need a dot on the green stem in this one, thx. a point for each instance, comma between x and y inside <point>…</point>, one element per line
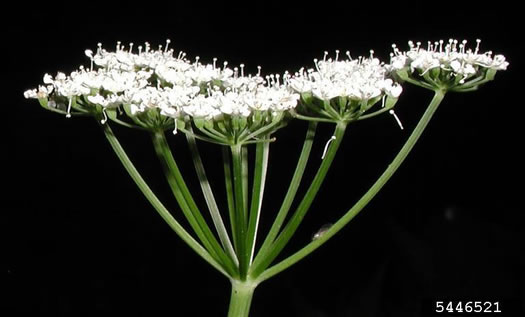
<point>244,164</point>
<point>209,197</point>
<point>376,187</point>
<point>257,141</point>
<point>305,204</point>
<point>264,130</point>
<point>240,211</point>
<point>419,83</point>
<point>259,181</point>
<point>375,113</point>
<point>314,119</point>
<point>229,193</point>
<point>241,298</point>
<point>187,204</point>
<point>473,83</point>
<point>127,125</point>
<point>202,138</point>
<point>292,190</point>
<point>155,202</point>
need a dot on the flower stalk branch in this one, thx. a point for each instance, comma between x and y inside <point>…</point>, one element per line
<point>259,181</point>
<point>188,205</point>
<point>262,261</point>
<point>210,198</point>
<point>366,198</point>
<point>155,202</point>
<point>292,189</point>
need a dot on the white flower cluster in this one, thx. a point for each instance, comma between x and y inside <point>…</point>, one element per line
<point>453,57</point>
<point>242,102</point>
<point>357,79</point>
<point>155,79</point>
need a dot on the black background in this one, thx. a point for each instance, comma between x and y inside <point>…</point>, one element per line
<point>78,239</point>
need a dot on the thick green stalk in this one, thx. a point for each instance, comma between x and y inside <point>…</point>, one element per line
<point>209,197</point>
<point>304,205</point>
<point>187,204</point>
<point>292,190</point>
<point>241,298</point>
<point>240,210</point>
<point>259,181</point>
<point>376,187</point>
<point>155,202</point>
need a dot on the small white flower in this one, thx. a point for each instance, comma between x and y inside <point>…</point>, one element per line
<point>89,53</point>
<point>395,91</point>
<point>97,99</point>
<point>30,93</point>
<point>173,76</point>
<point>48,79</point>
<point>110,101</point>
<point>228,103</point>
<point>202,107</point>
<point>326,89</point>
<point>136,108</point>
<point>398,62</point>
<point>60,76</point>
<point>301,84</point>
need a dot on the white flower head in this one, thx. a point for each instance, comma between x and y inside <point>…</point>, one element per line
<point>446,64</point>
<point>343,89</point>
<point>357,79</point>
